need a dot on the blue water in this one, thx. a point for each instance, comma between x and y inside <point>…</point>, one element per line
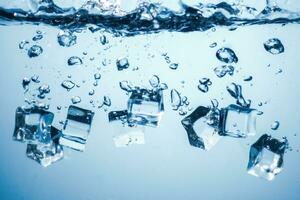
<point>180,48</point>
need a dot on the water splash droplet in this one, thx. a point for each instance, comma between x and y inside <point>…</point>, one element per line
<point>154,81</point>
<point>248,78</point>
<point>76,99</point>
<point>66,38</point>
<point>35,79</point>
<point>173,66</point>
<point>34,51</point>
<point>103,39</point>
<point>221,71</point>
<point>67,84</point>
<point>122,64</point>
<point>106,101</point>
<point>43,90</point>
<point>97,76</point>
<point>74,60</point>
<point>126,85</point>
<point>227,55</point>
<point>175,99</point>
<point>23,43</point>
<point>236,92</point>
<point>275,125</point>
<point>213,45</point>
<point>25,82</point>
<point>204,84</point>
<point>274,46</point>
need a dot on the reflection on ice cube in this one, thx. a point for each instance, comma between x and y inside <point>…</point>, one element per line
<point>125,134</point>
<point>145,107</point>
<point>202,127</point>
<point>237,121</point>
<point>48,153</point>
<point>77,128</point>
<point>33,124</point>
<point>129,136</point>
<point>266,157</point>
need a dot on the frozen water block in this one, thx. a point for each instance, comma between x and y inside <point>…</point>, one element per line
<point>237,121</point>
<point>46,154</point>
<point>32,124</point>
<point>266,157</point>
<point>76,128</point>
<point>145,107</point>
<point>202,127</point>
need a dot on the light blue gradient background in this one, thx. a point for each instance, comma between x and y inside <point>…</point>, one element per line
<point>166,167</point>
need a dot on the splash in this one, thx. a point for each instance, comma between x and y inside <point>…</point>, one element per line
<point>147,17</point>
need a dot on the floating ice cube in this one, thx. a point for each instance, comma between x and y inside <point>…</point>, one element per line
<point>145,107</point>
<point>266,157</point>
<point>237,121</point>
<point>202,127</point>
<point>46,154</point>
<point>33,124</point>
<point>77,128</point>
<point>125,134</point>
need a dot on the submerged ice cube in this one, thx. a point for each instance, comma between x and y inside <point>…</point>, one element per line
<point>46,154</point>
<point>266,157</point>
<point>76,128</point>
<point>237,121</point>
<point>145,107</point>
<point>33,124</point>
<point>125,134</point>
<point>202,127</point>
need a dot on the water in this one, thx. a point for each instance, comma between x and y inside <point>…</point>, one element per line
<point>238,52</point>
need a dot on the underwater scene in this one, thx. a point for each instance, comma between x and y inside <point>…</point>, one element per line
<point>149,99</point>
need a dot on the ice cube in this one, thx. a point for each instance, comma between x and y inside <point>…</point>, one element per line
<point>76,128</point>
<point>202,127</point>
<point>237,121</point>
<point>125,134</point>
<point>266,157</point>
<point>46,154</point>
<point>145,107</point>
<point>32,124</point>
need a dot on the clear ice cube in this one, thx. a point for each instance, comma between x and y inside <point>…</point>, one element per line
<point>237,121</point>
<point>202,127</point>
<point>125,134</point>
<point>76,128</point>
<point>145,107</point>
<point>46,154</point>
<point>266,157</point>
<point>33,124</point>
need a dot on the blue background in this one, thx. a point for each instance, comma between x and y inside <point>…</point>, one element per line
<point>166,167</point>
